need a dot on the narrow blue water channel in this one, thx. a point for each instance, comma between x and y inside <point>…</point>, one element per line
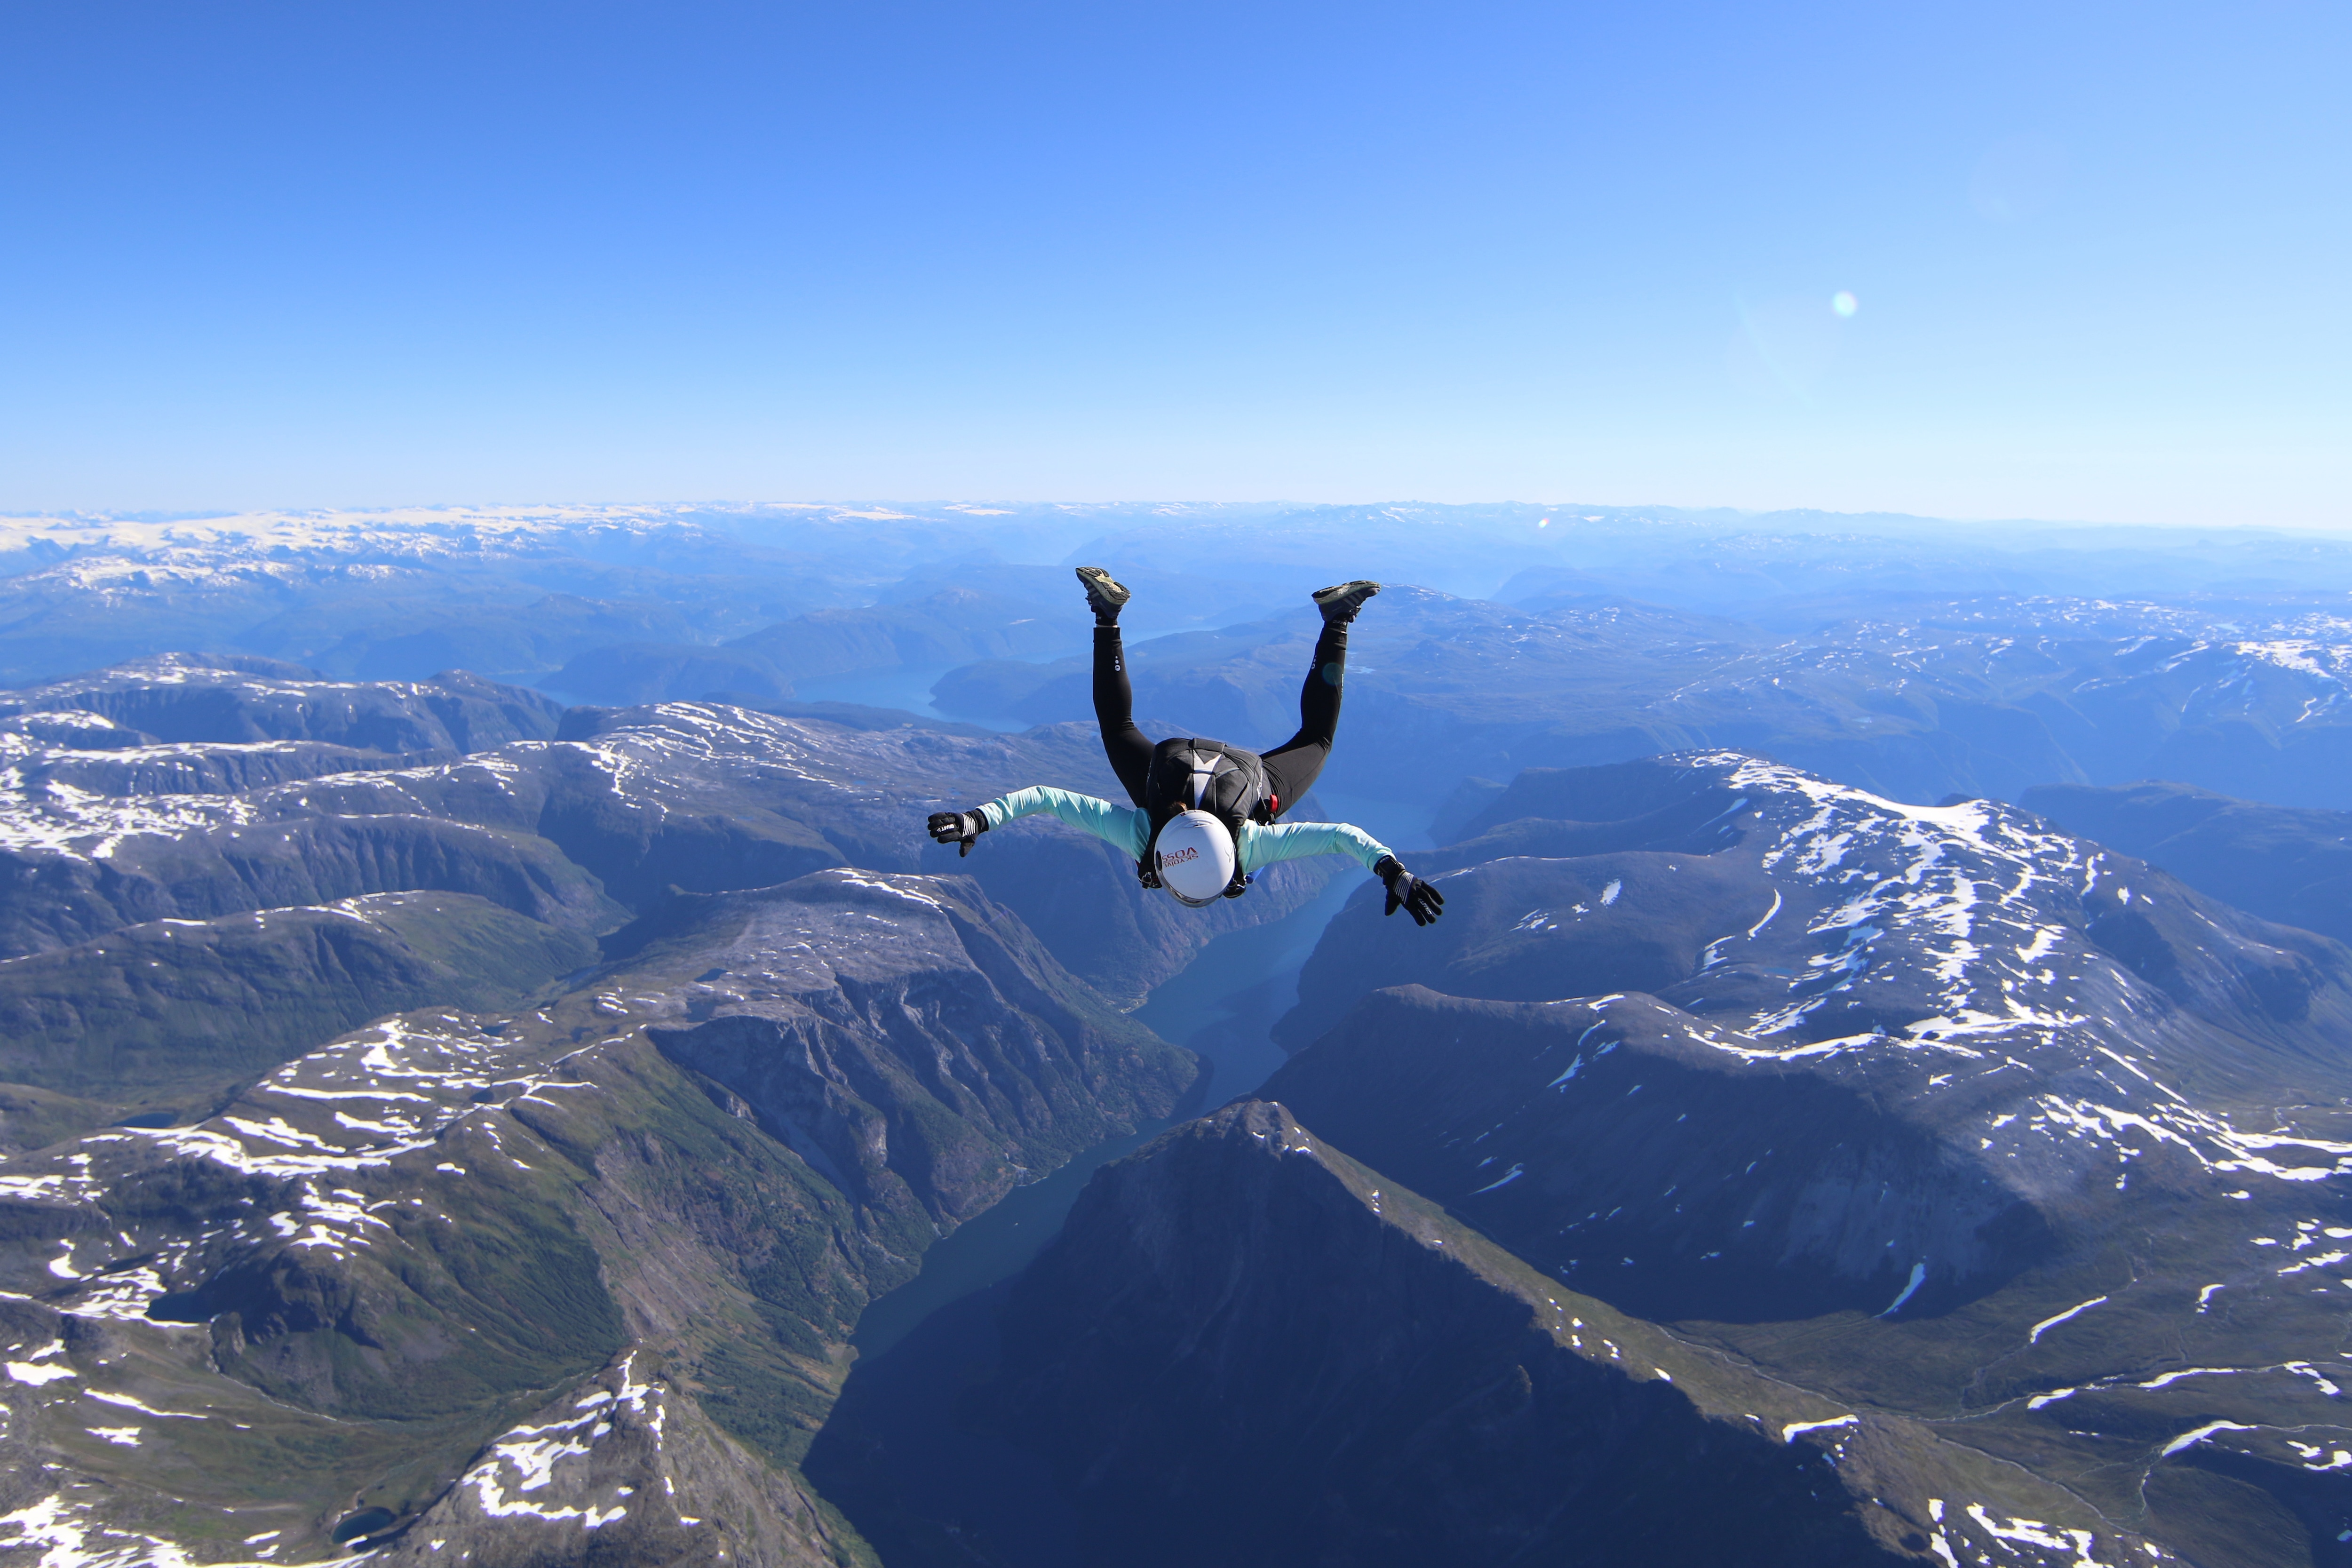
<point>1222,1006</point>
<point>907,688</point>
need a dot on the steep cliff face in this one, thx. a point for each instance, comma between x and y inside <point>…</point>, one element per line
<point>1246,1348</point>
<point>1684,1171</point>
<point>2284,863</point>
<point>917,1045</point>
<point>1934,1110</point>
<point>555,1285</point>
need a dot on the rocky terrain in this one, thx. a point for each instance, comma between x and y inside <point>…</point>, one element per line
<point>552,1102</point>
<point>593,1263</point>
<point>2287,863</point>
<point>1247,1347</point>
<point>2011,1150</point>
<point>1887,652</point>
<point>573,829</point>
<point>442,1123</point>
<point>1976,696</point>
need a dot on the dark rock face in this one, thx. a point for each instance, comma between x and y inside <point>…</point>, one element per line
<point>1929,1108</point>
<point>626,1470</point>
<point>1246,1348</point>
<point>1599,811</point>
<point>1684,1172</point>
<point>916,1047</point>
<point>2284,864</point>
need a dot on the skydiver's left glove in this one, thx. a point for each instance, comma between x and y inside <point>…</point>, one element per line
<point>1410,893</point>
<point>959,828</point>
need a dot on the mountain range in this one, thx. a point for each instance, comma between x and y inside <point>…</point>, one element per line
<point>1932,1185</point>
<point>1877,1093</point>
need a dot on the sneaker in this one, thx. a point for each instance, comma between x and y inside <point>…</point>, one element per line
<point>1341,603</point>
<point>1104,594</point>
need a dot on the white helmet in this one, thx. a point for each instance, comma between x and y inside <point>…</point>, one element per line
<point>1195,858</point>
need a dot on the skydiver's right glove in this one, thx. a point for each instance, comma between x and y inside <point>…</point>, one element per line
<point>1409,892</point>
<point>959,828</point>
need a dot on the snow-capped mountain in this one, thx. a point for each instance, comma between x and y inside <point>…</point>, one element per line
<point>1933,1111</point>
<point>663,1195</point>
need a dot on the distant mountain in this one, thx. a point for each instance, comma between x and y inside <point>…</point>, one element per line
<point>947,627</point>
<point>1789,570</point>
<point>635,672</point>
<point>226,699</point>
<point>515,593</point>
<point>404,634</point>
<point>2282,864</point>
<point>605,819</point>
<point>1979,698</point>
<point>1896,654</point>
<point>933,618</point>
<point>1441,688</point>
<point>2245,704</point>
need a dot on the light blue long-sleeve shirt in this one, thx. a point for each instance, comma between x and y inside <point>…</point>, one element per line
<point>1132,829</point>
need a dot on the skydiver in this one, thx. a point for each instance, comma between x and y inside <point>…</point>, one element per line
<point>1205,814</point>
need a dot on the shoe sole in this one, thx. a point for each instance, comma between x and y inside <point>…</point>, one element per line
<point>1100,585</point>
<point>1359,591</point>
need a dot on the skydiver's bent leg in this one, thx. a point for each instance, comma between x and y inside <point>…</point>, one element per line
<point>1130,752</point>
<point>1291,767</point>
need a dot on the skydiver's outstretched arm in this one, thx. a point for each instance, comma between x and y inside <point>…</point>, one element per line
<point>1130,830</point>
<point>1119,825</point>
<point>1297,840</point>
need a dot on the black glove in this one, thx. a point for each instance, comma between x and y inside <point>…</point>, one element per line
<point>1410,893</point>
<point>959,828</point>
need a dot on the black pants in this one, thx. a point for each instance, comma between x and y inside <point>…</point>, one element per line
<point>1290,768</point>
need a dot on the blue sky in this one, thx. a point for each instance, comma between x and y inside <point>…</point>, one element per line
<point>265,253</point>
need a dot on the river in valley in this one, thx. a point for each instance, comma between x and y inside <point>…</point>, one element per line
<point>1222,1006</point>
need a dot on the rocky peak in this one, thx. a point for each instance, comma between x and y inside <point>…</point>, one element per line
<point>2011,1120</point>
<point>1244,1347</point>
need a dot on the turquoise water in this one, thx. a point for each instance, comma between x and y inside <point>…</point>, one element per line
<point>1226,1000</point>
